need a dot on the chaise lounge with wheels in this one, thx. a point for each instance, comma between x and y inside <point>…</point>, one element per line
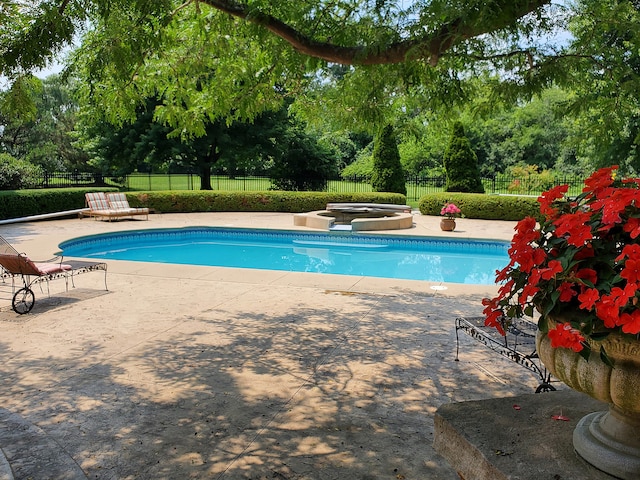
<point>111,205</point>
<point>17,265</point>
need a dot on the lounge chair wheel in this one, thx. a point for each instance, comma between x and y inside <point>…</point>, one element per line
<point>23,301</point>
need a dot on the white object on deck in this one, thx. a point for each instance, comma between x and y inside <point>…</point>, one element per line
<point>45,216</point>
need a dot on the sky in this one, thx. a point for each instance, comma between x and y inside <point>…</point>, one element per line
<point>52,69</point>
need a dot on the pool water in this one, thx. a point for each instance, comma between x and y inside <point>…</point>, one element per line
<point>342,253</point>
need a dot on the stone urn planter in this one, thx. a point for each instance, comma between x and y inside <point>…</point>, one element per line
<point>448,224</point>
<point>578,263</point>
<point>608,440</point>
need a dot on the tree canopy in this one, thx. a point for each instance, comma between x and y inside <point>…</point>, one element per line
<point>347,32</point>
<point>366,60</point>
<point>226,57</point>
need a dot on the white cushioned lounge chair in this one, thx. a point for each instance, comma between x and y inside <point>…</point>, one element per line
<point>111,205</point>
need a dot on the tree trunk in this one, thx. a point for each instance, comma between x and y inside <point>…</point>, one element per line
<point>205,177</point>
<point>205,166</point>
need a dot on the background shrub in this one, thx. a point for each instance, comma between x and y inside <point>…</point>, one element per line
<point>16,174</point>
<point>482,206</point>
<point>25,203</point>
<point>271,201</point>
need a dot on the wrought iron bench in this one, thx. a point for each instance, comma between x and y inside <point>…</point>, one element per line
<point>518,345</point>
<point>17,265</point>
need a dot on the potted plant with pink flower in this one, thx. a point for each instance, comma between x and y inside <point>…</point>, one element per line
<point>579,268</point>
<point>450,211</point>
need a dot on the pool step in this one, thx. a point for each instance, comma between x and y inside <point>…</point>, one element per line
<point>340,228</point>
<point>27,451</point>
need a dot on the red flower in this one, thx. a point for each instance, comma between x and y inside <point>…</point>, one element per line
<point>601,179</point>
<point>588,298</point>
<point>629,251</point>
<point>584,253</point>
<point>607,311</point>
<point>621,296</point>
<point>632,227</point>
<point>574,226</point>
<point>614,202</point>
<point>550,272</point>
<point>502,275</point>
<point>526,231</point>
<point>631,271</point>
<point>631,322</point>
<point>588,275</point>
<point>564,335</point>
<point>567,292</point>
<point>547,198</point>
<point>527,224</point>
<point>527,256</point>
<point>528,291</point>
<point>505,289</point>
<point>493,320</point>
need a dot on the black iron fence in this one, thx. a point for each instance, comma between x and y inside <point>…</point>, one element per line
<point>416,185</point>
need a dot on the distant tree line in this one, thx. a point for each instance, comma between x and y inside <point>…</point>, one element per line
<point>56,136</point>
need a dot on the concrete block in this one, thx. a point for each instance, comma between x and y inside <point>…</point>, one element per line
<point>515,438</point>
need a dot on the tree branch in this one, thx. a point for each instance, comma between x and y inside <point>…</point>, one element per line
<point>63,6</point>
<point>429,47</point>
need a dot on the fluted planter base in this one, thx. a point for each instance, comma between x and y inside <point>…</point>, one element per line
<point>610,443</point>
<point>607,440</point>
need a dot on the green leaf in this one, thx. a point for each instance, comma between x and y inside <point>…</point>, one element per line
<point>599,336</point>
<point>528,310</point>
<point>543,325</point>
<point>586,351</point>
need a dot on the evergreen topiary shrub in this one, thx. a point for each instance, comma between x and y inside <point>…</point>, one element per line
<point>387,174</point>
<point>461,164</point>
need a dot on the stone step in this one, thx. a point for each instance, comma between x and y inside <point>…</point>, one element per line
<point>516,437</point>
<point>5,468</point>
<point>28,452</point>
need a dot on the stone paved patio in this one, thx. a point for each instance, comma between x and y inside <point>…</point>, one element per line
<point>184,372</point>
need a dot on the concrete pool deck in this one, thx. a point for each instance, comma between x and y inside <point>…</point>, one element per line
<point>183,372</point>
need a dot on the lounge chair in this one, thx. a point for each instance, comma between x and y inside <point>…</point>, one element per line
<point>119,203</point>
<point>111,205</point>
<point>15,264</point>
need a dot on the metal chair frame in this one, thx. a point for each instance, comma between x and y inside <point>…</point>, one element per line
<point>15,264</point>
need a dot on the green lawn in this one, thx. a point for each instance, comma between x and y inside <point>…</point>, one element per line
<point>415,190</point>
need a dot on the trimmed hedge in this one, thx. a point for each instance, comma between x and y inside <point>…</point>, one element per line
<point>263,201</point>
<point>24,203</point>
<point>482,206</point>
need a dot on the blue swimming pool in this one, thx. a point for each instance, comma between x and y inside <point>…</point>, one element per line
<point>343,253</point>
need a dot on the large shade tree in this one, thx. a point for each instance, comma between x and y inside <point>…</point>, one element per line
<point>39,126</point>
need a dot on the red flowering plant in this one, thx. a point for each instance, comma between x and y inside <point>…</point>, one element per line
<point>580,263</point>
